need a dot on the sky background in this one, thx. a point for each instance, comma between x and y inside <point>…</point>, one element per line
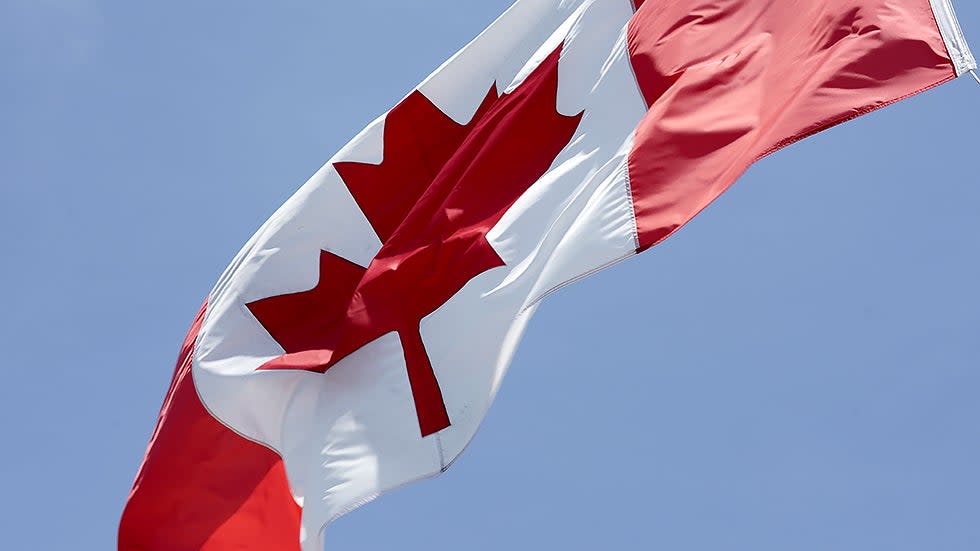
<point>797,369</point>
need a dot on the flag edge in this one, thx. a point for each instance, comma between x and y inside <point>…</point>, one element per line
<point>953,37</point>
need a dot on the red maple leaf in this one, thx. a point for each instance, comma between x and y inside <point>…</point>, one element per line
<point>440,188</point>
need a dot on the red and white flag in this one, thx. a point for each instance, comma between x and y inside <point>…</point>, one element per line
<point>357,340</point>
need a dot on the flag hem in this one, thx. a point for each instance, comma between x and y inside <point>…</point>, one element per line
<point>952,33</point>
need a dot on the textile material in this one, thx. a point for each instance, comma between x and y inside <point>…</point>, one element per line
<point>356,342</point>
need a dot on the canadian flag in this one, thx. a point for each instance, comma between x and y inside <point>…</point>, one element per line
<point>357,340</point>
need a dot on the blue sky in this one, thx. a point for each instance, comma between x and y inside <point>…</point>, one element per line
<point>796,369</point>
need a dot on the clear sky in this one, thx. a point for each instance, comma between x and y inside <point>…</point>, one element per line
<point>797,369</point>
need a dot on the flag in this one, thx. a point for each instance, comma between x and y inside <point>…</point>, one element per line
<point>356,342</point>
